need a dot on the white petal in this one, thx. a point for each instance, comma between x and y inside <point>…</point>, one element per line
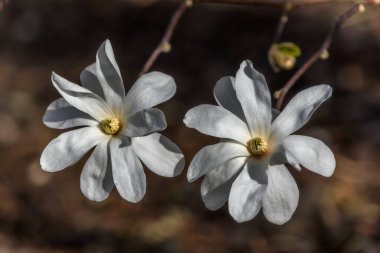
<point>96,179</point>
<point>150,90</point>
<point>69,147</point>
<point>109,76</point>
<point>299,110</point>
<point>216,185</point>
<point>254,96</point>
<point>90,81</point>
<point>213,156</point>
<point>145,122</point>
<point>216,121</point>
<point>61,115</point>
<point>281,156</point>
<point>81,98</point>
<point>311,153</point>
<point>275,114</point>
<point>247,192</point>
<point>159,154</point>
<point>127,170</point>
<point>225,96</point>
<point>281,197</point>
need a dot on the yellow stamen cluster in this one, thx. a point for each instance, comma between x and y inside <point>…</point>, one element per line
<point>257,147</point>
<point>110,126</point>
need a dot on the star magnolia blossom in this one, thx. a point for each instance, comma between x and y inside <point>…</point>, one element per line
<point>247,166</point>
<point>121,128</point>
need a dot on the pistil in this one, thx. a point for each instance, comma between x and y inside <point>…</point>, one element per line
<point>110,126</point>
<point>257,147</point>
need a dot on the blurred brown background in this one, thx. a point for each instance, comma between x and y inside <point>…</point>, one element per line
<point>42,212</point>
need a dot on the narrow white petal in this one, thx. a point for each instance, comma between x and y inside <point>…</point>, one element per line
<point>96,180</point>
<point>61,115</point>
<point>225,96</point>
<point>311,153</point>
<point>69,147</point>
<point>275,114</point>
<point>216,121</point>
<point>159,154</point>
<point>109,76</point>
<point>299,110</point>
<point>127,170</point>
<point>216,185</point>
<point>247,192</point>
<point>145,122</point>
<point>254,96</point>
<point>281,156</point>
<point>213,156</point>
<point>150,90</point>
<point>281,197</point>
<point>81,98</point>
<point>90,81</point>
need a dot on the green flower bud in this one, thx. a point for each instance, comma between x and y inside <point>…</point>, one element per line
<point>282,56</point>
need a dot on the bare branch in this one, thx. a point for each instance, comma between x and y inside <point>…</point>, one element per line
<point>275,3</point>
<point>282,22</point>
<point>165,41</point>
<point>357,8</point>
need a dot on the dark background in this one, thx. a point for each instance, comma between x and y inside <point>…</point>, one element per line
<point>43,212</point>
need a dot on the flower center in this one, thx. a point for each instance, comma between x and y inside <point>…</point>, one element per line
<point>110,126</point>
<point>257,147</point>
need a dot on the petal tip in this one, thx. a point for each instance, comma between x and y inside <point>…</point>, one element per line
<point>107,45</point>
<point>95,198</point>
<point>237,218</point>
<point>328,89</point>
<point>180,166</point>
<point>190,177</point>
<point>54,75</point>
<point>329,172</point>
<point>279,222</point>
<point>44,167</point>
<point>246,63</point>
<point>186,120</point>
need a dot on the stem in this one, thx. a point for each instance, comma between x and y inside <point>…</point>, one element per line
<point>167,35</point>
<point>357,8</point>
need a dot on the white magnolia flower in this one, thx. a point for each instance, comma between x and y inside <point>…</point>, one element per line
<point>247,166</point>
<point>121,128</point>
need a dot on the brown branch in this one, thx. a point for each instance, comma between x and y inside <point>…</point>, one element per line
<point>282,22</point>
<point>357,8</point>
<point>275,3</point>
<point>165,41</point>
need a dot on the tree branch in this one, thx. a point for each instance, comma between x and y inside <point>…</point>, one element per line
<point>282,22</point>
<point>357,8</point>
<point>275,3</point>
<point>165,41</point>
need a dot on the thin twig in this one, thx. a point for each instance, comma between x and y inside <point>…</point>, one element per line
<point>165,41</point>
<point>282,22</point>
<point>357,8</point>
<point>275,3</point>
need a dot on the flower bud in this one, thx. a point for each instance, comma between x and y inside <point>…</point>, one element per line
<point>282,56</point>
<point>166,47</point>
<point>324,55</point>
